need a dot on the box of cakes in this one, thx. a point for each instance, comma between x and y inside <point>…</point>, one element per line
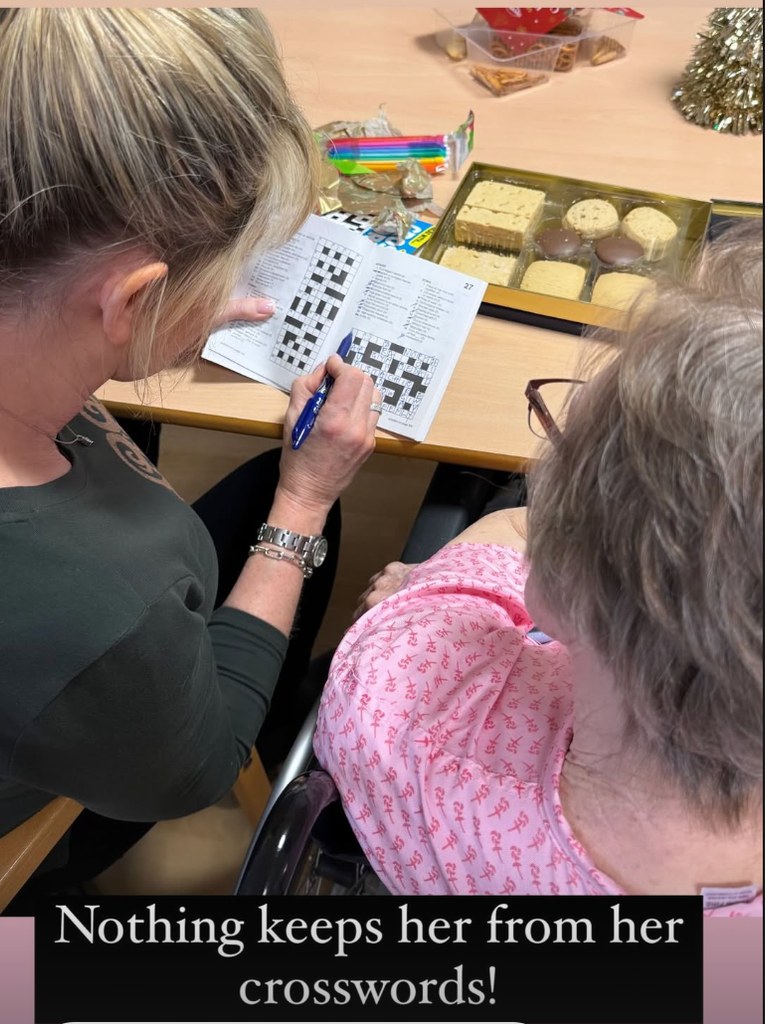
<point>576,252</point>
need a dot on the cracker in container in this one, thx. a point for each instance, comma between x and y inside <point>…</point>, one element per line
<point>503,81</point>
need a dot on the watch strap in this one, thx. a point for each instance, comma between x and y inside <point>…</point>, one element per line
<point>287,539</point>
<point>311,549</point>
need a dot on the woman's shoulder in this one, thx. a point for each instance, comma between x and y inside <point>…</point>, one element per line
<point>505,528</point>
<point>477,571</point>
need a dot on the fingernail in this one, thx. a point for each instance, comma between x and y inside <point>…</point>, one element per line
<point>266,306</point>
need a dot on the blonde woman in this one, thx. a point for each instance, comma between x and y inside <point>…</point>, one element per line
<point>143,155</point>
<point>474,754</point>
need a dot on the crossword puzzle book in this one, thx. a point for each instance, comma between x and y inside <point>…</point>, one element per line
<point>409,319</point>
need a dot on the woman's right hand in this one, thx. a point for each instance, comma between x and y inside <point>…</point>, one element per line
<point>314,476</point>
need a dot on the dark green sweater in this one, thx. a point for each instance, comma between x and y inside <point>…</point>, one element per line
<point>119,685</point>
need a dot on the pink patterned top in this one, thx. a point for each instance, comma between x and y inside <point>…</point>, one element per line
<point>445,728</point>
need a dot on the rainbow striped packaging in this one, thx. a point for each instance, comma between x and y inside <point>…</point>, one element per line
<point>435,153</point>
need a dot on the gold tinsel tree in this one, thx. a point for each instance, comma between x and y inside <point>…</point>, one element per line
<point>722,85</point>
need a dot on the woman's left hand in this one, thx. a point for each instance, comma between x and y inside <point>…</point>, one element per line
<point>253,309</point>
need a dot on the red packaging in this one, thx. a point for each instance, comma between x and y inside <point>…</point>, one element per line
<point>535,20</point>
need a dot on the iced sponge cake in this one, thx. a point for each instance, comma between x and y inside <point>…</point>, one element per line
<point>498,214</point>
<point>550,277</point>
<point>488,266</point>
<point>619,291</point>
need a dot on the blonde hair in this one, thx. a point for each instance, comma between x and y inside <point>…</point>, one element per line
<point>168,129</point>
<point>645,527</point>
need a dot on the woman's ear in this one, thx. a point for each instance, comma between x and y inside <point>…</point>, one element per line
<point>118,300</point>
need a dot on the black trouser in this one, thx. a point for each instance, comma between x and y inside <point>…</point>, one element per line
<point>232,511</point>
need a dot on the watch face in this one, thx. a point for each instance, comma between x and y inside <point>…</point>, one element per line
<point>319,553</point>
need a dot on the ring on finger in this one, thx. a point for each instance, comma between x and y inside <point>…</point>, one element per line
<point>376,407</point>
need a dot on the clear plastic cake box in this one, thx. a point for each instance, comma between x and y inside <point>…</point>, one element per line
<point>605,37</point>
<point>479,43</point>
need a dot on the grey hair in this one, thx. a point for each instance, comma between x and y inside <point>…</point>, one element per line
<point>167,129</point>
<point>645,526</point>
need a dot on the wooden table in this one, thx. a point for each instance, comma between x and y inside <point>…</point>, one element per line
<point>612,124</point>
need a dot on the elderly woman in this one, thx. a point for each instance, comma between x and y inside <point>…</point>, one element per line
<point>144,154</point>
<point>625,754</point>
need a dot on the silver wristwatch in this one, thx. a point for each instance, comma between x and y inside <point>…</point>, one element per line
<point>311,551</point>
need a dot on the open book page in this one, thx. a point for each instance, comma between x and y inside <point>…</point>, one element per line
<point>409,319</point>
<point>309,278</point>
<point>409,326</point>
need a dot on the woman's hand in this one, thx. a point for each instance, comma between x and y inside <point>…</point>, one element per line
<point>314,476</point>
<point>253,309</point>
<point>382,585</point>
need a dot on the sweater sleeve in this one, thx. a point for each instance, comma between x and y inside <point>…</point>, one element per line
<point>159,725</point>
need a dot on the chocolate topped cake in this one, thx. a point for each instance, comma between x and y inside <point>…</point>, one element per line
<point>559,242</point>
<point>618,251</point>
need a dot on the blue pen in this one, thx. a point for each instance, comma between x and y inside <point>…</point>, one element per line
<point>307,417</point>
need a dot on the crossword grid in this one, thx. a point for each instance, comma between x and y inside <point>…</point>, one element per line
<point>314,308</point>
<point>354,221</point>
<point>402,374</point>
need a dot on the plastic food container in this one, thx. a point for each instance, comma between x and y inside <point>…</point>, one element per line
<point>591,38</point>
<point>481,44</point>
